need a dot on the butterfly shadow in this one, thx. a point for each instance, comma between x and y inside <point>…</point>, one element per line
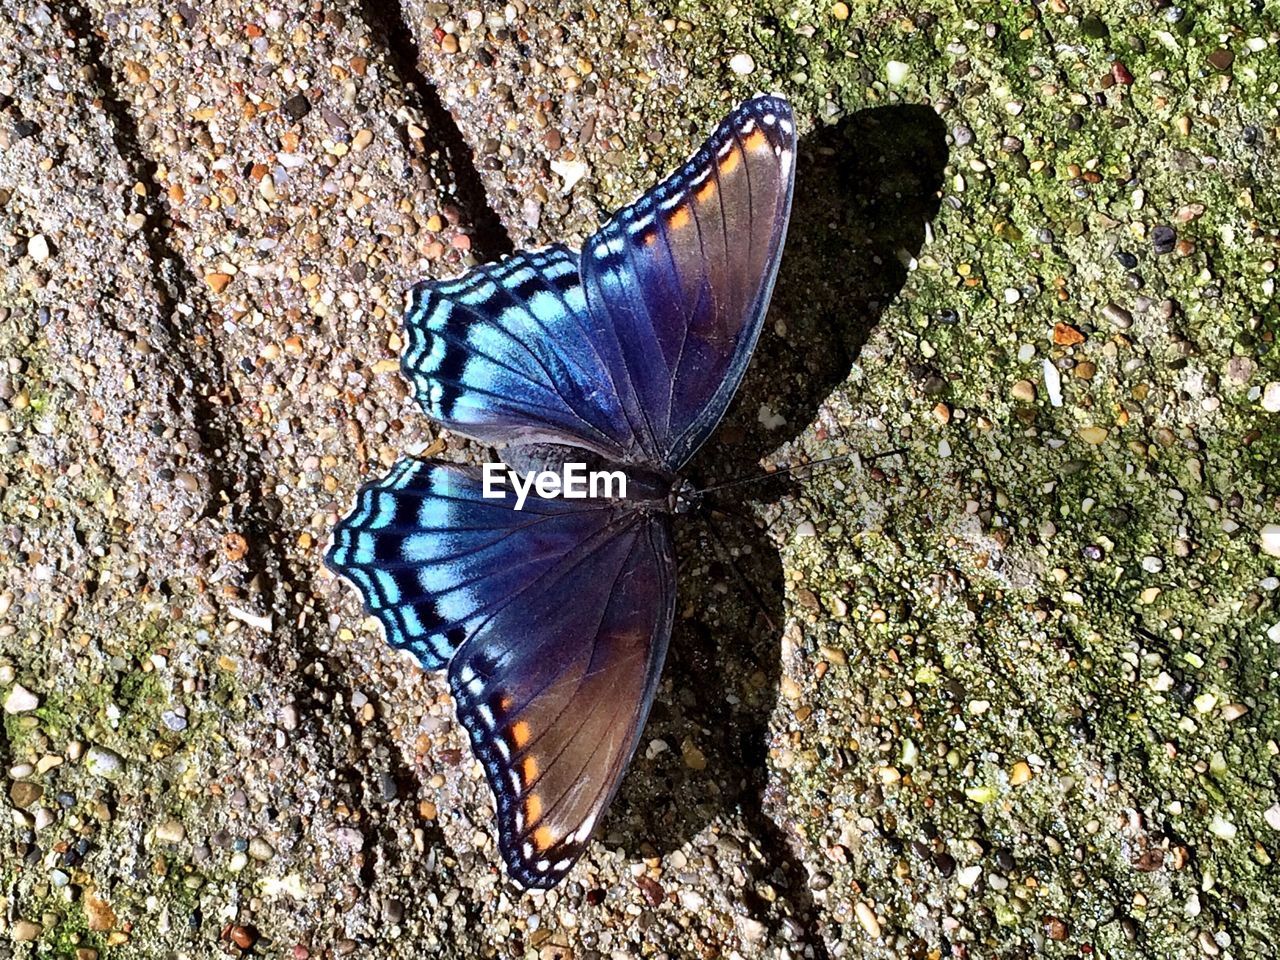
<point>865,188</point>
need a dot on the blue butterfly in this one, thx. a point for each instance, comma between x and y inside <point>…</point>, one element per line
<point>553,620</point>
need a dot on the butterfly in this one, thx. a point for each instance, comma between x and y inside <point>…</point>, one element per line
<point>553,620</point>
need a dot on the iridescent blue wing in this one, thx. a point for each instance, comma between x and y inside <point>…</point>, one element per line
<point>504,354</point>
<point>677,284</point>
<point>634,348</point>
<point>430,554</point>
<point>554,622</point>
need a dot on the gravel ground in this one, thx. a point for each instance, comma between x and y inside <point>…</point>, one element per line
<point>1009,694</point>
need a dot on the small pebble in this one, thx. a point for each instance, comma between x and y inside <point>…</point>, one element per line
<point>1118,315</point>
<point>24,931</point>
<point>296,107</point>
<point>896,71</point>
<point>38,248</point>
<point>102,762</point>
<point>1271,397</point>
<point>1052,382</point>
<point>1065,335</point>
<point>1163,239</point>
<point>742,64</point>
<point>20,700</point>
<point>1272,816</point>
<point>171,831</point>
<point>867,917</point>
<point>1270,536</point>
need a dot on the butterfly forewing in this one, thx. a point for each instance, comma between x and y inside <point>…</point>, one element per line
<point>504,355</point>
<point>678,283</point>
<point>433,557</point>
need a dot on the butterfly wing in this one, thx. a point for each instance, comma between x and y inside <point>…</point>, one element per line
<point>504,354</point>
<point>555,688</point>
<point>634,348</point>
<point>678,283</point>
<point>430,554</point>
<point>554,622</point>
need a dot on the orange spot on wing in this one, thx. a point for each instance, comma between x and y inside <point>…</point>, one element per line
<point>730,162</point>
<point>679,218</point>
<point>543,839</point>
<point>504,702</point>
<point>519,733</point>
<point>756,139</point>
<point>705,192</point>
<point>529,770</point>
<point>649,237</point>
<point>532,808</point>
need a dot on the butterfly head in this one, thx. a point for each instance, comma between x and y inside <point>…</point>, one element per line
<point>685,498</point>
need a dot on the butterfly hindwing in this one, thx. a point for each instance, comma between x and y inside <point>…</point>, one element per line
<point>504,355</point>
<point>554,691</point>
<point>677,284</point>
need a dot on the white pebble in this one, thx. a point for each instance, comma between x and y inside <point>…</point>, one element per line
<point>20,700</point>
<point>569,171</point>
<point>1219,826</point>
<point>102,762</point>
<point>896,71</point>
<point>742,64</point>
<point>1271,397</point>
<point>867,917</point>
<point>1271,539</point>
<point>171,831</point>
<point>1012,294</point>
<point>38,248</point>
<point>1272,816</point>
<point>1053,383</point>
<point>768,419</point>
<point>968,876</point>
<point>806,529</point>
<point>1026,352</point>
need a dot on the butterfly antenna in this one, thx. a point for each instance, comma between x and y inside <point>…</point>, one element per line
<point>810,466</point>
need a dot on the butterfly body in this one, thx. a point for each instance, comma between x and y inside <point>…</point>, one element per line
<point>646,488</point>
<point>553,616</point>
